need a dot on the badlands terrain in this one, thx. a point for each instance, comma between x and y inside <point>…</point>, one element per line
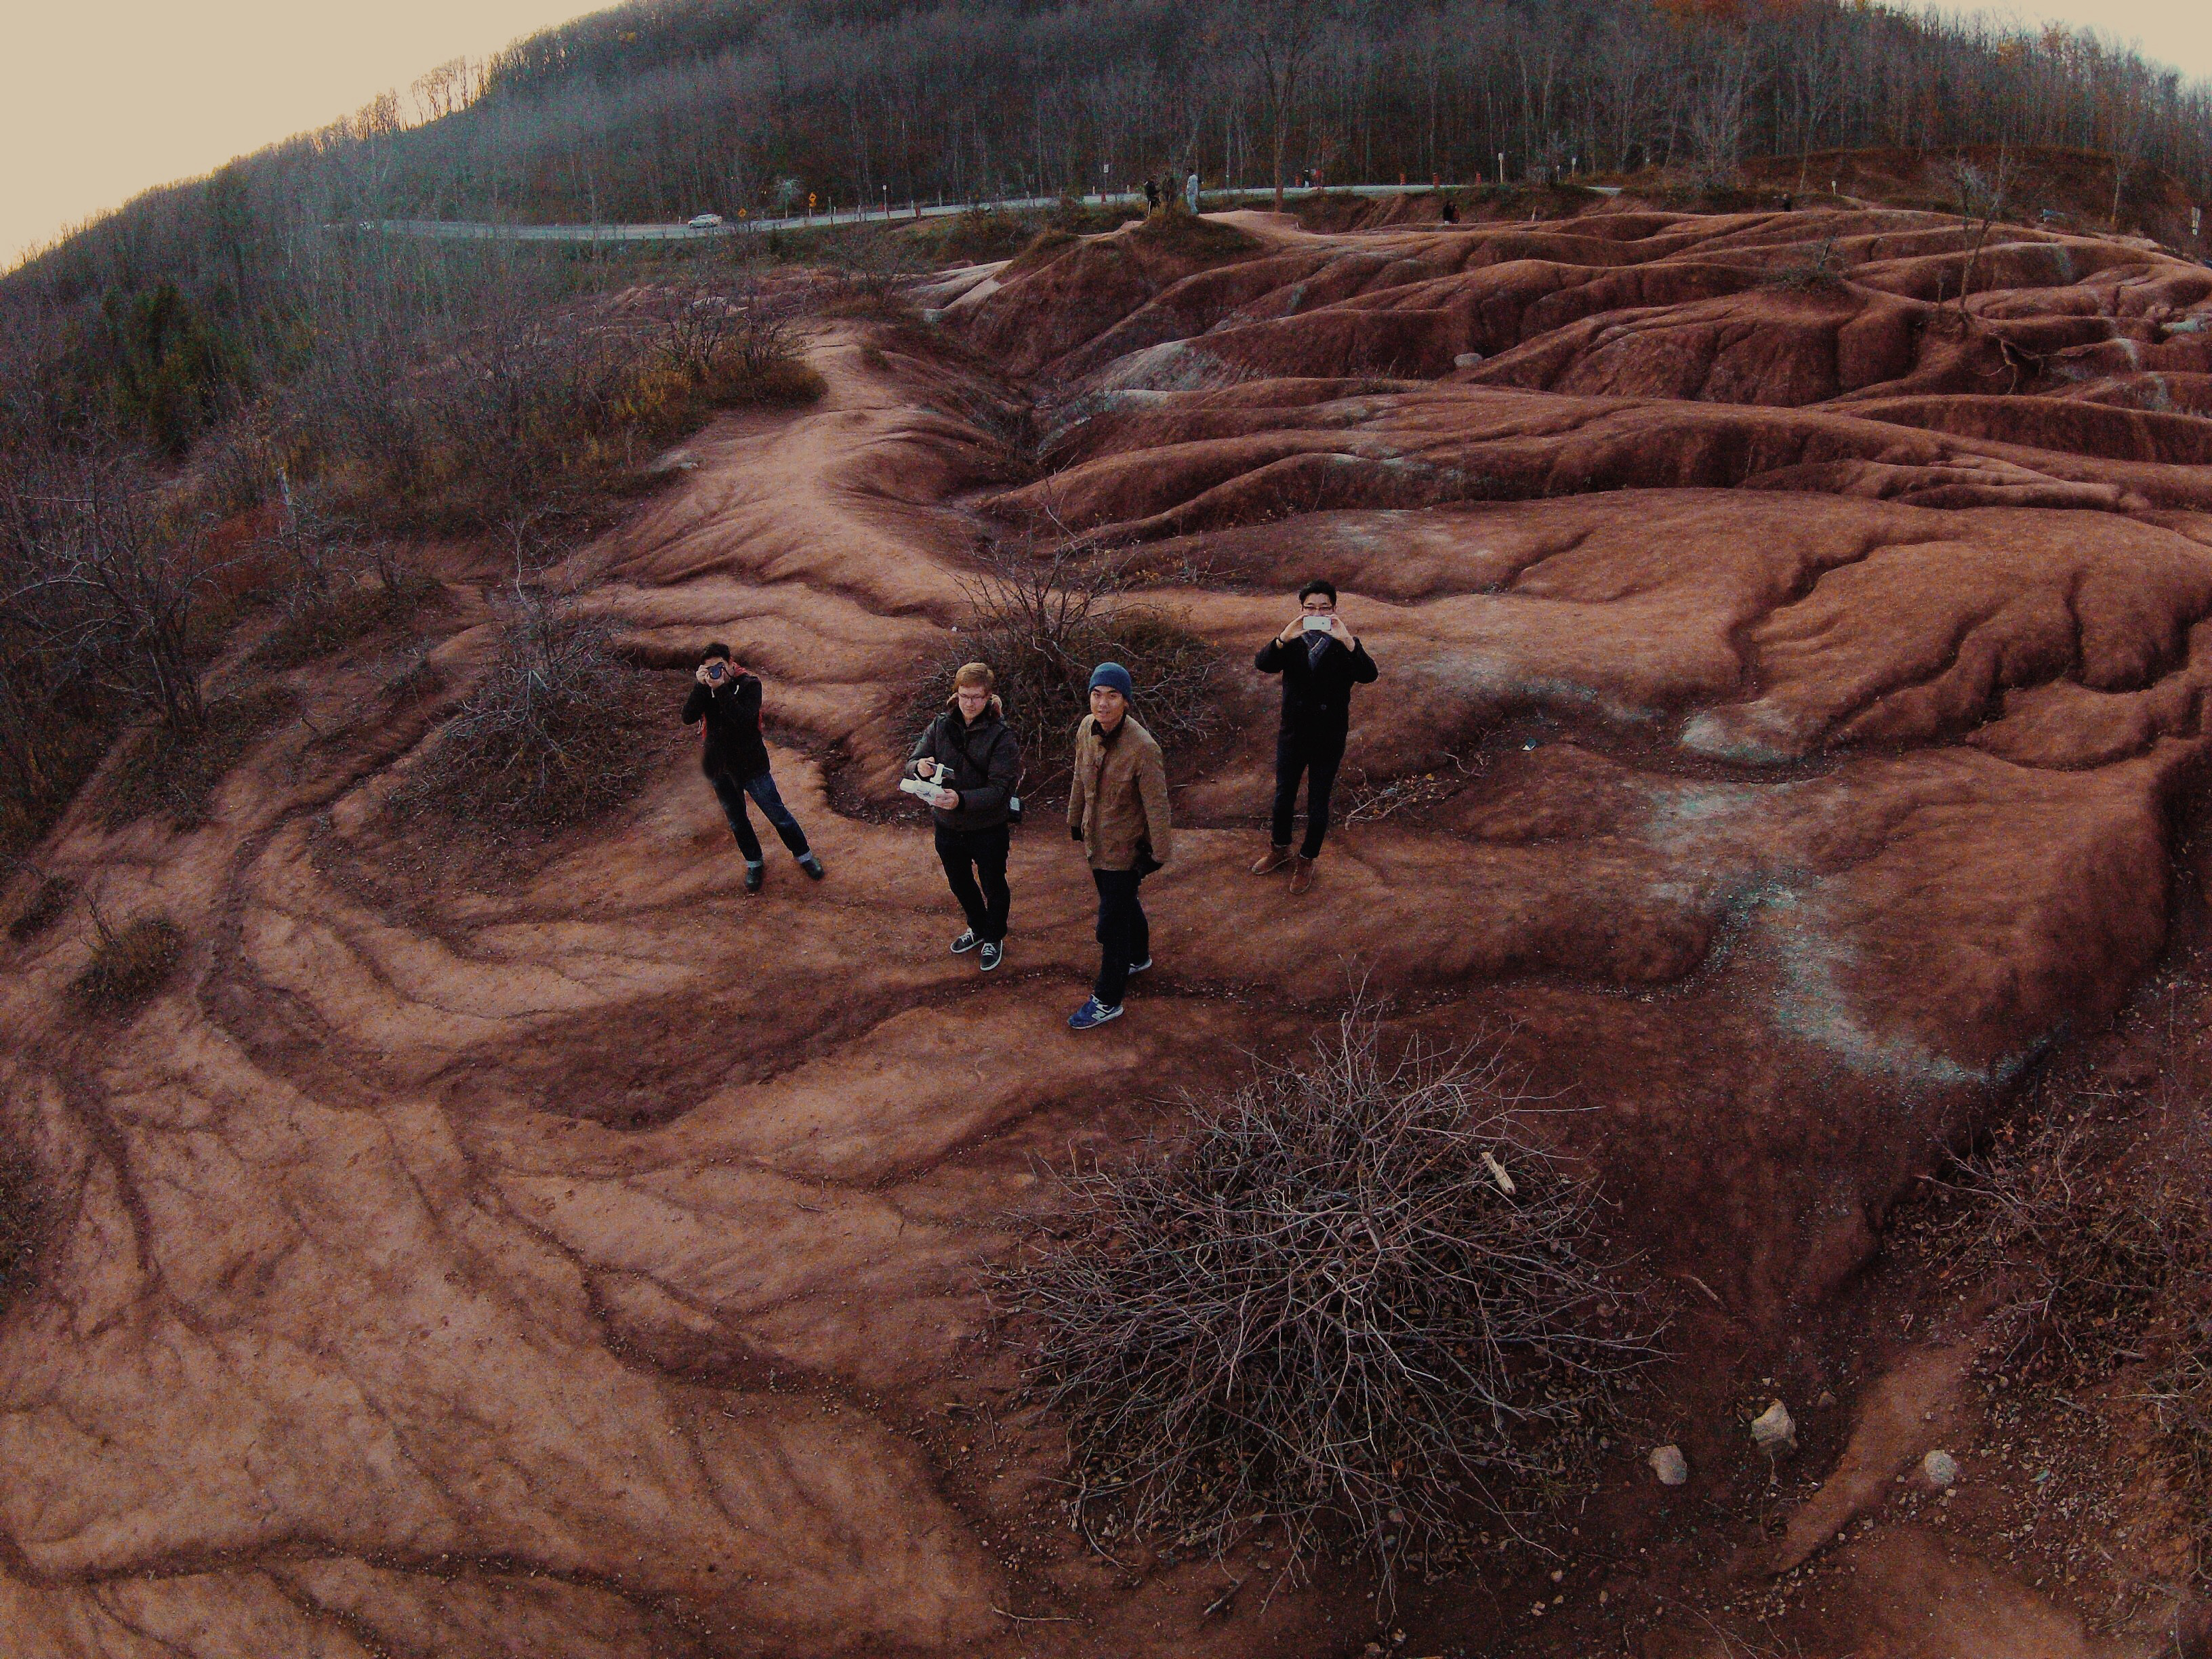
<point>1790,743</point>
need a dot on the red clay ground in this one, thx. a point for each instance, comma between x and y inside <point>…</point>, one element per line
<point>1792,702</point>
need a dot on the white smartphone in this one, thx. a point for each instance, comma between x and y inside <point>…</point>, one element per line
<point>1318,624</point>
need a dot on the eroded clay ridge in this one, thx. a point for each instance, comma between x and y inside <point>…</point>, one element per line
<point>587,1264</point>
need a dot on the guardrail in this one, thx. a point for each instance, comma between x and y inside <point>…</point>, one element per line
<point>591,234</point>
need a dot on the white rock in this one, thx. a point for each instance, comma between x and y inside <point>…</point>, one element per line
<point>1773,1431</point>
<point>1467,359</point>
<point>1942,1470</point>
<point>1670,1465</point>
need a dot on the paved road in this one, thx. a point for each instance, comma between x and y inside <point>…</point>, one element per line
<point>600,234</point>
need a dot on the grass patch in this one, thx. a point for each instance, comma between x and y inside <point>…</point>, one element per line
<point>128,966</point>
<point>2098,1239</point>
<point>975,237</point>
<point>75,744</point>
<point>1353,1295</point>
<point>21,1217</point>
<point>1190,236</point>
<point>49,900</point>
<point>176,773</point>
<point>317,624</point>
<point>557,729</point>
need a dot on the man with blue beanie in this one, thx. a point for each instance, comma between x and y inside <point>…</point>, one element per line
<point>1117,807</point>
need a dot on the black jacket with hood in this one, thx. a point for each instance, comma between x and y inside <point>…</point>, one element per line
<point>731,711</point>
<point>983,761</point>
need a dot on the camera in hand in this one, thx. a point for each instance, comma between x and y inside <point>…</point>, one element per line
<point>923,789</point>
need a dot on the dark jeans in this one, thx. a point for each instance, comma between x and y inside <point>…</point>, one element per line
<point>1124,935</point>
<point>968,855</point>
<point>1317,755</point>
<point>761,787</point>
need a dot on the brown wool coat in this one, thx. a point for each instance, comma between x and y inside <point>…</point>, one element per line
<point>1118,797</point>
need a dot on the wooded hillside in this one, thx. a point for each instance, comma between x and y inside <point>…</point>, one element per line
<point>659,109</point>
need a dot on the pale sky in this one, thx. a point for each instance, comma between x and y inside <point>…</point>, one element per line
<point>103,99</point>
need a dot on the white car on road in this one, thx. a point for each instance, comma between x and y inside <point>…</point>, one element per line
<point>705,222</point>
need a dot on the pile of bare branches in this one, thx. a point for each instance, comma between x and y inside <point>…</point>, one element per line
<point>1355,1293</point>
<point>552,732</point>
<point>1044,619</point>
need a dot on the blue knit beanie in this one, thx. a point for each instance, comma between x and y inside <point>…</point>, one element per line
<point>1113,678</point>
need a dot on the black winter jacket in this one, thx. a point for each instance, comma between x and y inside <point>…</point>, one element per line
<point>984,760</point>
<point>733,745</point>
<point>1316,700</point>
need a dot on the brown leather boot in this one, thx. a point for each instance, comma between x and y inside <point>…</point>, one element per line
<point>1276,859</point>
<point>1302,874</point>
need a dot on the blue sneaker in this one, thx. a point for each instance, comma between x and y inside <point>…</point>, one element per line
<point>965,943</point>
<point>992,955</point>
<point>1092,1013</point>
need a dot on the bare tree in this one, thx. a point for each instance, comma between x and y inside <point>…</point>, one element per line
<point>106,588</point>
<point>1280,37</point>
<point>1981,201</point>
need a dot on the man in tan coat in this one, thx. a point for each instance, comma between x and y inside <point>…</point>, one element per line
<point>1117,807</point>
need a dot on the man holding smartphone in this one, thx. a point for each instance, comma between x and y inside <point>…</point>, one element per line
<point>735,760</point>
<point>1320,660</point>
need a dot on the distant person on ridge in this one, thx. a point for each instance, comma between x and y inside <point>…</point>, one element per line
<point>735,761</point>
<point>972,755</point>
<point>1151,197</point>
<point>1320,660</point>
<point>1190,191</point>
<point>1117,807</point>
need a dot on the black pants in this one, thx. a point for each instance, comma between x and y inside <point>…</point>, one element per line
<point>974,863</point>
<point>1317,755</point>
<point>761,787</point>
<point>1124,935</point>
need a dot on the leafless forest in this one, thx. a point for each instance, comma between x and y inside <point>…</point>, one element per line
<point>657,110</point>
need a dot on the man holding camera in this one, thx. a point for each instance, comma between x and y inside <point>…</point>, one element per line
<point>974,759</point>
<point>735,761</point>
<point>1320,660</point>
<point>1117,807</point>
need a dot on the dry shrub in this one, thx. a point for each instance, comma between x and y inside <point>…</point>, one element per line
<point>128,966</point>
<point>1818,274</point>
<point>1043,620</point>
<point>319,620</point>
<point>976,236</point>
<point>2101,1250</point>
<point>1355,1293</point>
<point>554,733</point>
<point>162,770</point>
<point>48,902</point>
<point>505,396</point>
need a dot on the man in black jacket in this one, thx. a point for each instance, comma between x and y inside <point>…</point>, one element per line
<point>1320,660</point>
<point>975,759</point>
<point>735,761</point>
